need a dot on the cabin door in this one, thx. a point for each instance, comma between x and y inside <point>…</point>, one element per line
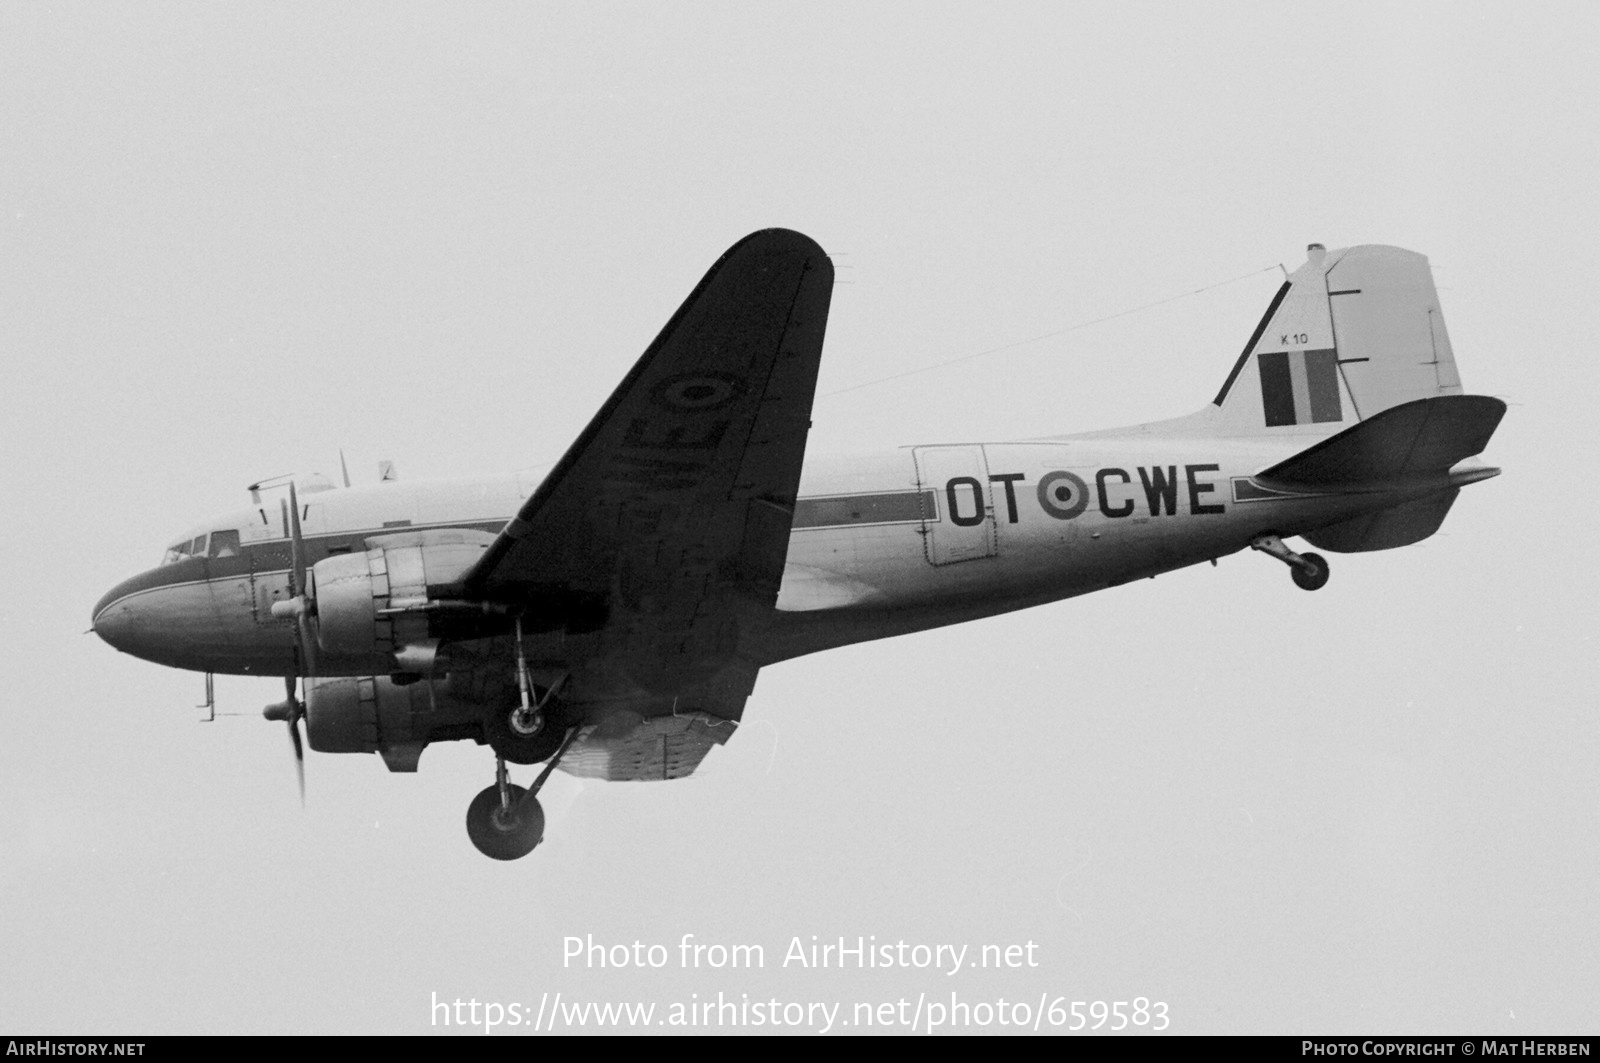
<point>961,528</point>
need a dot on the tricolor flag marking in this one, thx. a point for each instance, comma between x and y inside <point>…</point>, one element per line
<point>1300,387</point>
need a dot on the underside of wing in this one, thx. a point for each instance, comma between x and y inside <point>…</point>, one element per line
<point>658,540</point>
<point>645,748</point>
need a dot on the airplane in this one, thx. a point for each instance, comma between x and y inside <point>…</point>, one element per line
<point>610,618</point>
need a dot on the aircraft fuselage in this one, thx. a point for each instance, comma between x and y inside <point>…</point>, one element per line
<point>882,543</point>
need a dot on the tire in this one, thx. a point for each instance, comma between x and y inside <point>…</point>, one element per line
<point>500,837</point>
<point>519,748</point>
<point>1312,580</point>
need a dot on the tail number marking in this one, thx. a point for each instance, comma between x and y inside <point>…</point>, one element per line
<point>1064,495</point>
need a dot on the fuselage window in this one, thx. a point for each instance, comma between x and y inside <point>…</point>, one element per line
<point>224,543</point>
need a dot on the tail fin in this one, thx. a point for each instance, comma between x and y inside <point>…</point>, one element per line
<point>1351,333</point>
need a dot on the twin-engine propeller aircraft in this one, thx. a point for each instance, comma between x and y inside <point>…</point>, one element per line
<point>611,618</point>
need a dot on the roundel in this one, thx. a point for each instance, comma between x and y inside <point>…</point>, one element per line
<point>1062,495</point>
<point>698,391</point>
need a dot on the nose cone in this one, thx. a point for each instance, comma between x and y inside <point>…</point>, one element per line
<point>112,623</point>
<point>118,620</point>
<point>165,615</point>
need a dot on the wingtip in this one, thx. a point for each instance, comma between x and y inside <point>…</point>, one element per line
<point>778,240</point>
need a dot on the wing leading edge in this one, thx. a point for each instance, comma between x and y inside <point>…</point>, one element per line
<point>666,524</point>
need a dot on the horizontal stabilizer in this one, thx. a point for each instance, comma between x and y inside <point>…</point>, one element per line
<point>1399,525</point>
<point>1412,439</point>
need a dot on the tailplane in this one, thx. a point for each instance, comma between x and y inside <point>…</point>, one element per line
<point>1416,439</point>
<point>1420,444</point>
<point>1351,333</point>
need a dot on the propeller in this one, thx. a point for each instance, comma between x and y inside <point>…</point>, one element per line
<point>292,709</point>
<point>301,605</point>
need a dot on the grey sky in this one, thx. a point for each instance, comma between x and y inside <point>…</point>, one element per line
<point>234,239</point>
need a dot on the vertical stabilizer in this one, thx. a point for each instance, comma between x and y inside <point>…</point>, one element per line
<point>1393,347</point>
<point>1351,333</point>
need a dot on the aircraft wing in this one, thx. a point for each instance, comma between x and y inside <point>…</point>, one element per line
<point>664,528</point>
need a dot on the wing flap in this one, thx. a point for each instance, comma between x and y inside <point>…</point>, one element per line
<point>652,748</point>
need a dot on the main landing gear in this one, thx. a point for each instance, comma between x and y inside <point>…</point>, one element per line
<point>1310,571</point>
<point>505,821</point>
<point>526,733</point>
<point>522,735</point>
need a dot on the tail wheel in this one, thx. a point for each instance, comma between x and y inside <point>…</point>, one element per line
<point>1311,573</point>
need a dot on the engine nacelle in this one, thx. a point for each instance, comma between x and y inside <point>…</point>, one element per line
<point>358,714</point>
<point>375,603</point>
<point>373,714</point>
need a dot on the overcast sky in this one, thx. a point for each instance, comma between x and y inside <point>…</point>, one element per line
<point>237,238</point>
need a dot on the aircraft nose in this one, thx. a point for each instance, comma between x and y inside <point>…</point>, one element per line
<point>116,620</point>
<point>155,614</point>
<point>170,615</point>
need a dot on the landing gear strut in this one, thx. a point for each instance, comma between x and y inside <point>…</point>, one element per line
<point>505,821</point>
<point>525,733</point>
<point>1310,571</point>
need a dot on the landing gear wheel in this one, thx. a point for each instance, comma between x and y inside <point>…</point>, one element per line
<point>510,741</point>
<point>505,834</point>
<point>1312,573</point>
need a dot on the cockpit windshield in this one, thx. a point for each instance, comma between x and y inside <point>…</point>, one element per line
<point>222,543</point>
<point>183,551</point>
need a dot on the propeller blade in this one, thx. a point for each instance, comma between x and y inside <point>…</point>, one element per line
<point>299,587</point>
<point>296,710</point>
<point>308,641</point>
<point>299,760</point>
<point>297,545</point>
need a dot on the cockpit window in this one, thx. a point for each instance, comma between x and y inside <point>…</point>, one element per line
<point>224,543</point>
<point>195,547</point>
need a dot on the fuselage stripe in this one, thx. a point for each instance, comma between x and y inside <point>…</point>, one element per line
<point>892,507</point>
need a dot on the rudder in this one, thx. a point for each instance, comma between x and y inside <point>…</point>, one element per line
<point>1351,333</point>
